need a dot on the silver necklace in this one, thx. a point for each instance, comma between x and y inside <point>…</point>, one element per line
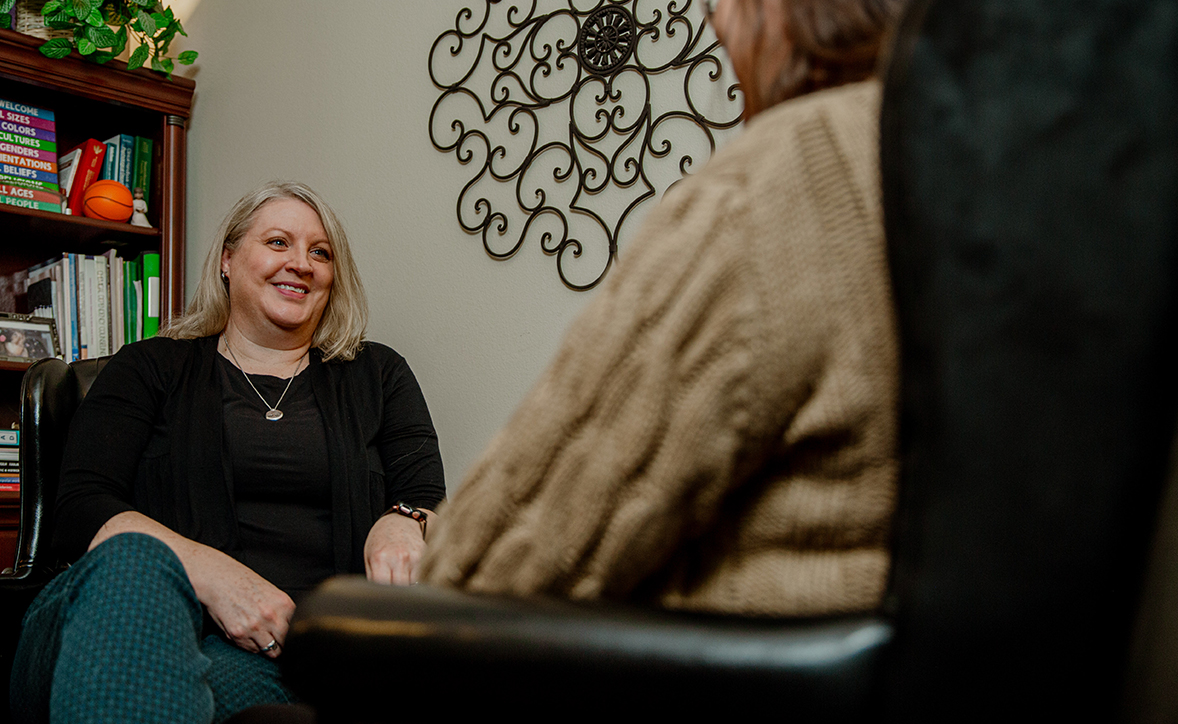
<point>273,414</point>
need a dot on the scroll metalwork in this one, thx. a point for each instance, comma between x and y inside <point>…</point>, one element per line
<point>569,110</point>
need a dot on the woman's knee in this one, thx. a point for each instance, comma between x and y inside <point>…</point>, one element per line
<point>131,561</point>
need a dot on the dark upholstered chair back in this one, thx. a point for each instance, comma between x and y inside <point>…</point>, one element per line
<point>50,394</point>
<point>1030,171</point>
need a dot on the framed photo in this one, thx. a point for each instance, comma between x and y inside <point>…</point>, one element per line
<point>24,338</point>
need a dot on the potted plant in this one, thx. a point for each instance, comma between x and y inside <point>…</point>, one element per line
<point>103,28</point>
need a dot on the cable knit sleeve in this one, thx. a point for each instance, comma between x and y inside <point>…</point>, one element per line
<point>717,430</point>
<point>648,417</point>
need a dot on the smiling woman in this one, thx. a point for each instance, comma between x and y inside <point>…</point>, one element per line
<point>258,447</point>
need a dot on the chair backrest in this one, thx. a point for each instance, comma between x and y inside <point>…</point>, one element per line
<point>50,394</point>
<point>1030,171</point>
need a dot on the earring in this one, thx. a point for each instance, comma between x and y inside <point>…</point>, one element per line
<point>224,277</point>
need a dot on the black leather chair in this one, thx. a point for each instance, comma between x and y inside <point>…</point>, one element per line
<point>1030,169</point>
<point>50,393</point>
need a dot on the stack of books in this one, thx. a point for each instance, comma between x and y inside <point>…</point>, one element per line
<point>98,303</point>
<point>10,460</point>
<point>28,157</point>
<point>123,158</point>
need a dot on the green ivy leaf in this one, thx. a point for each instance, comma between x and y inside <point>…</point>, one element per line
<point>120,41</point>
<point>144,3</point>
<point>78,8</point>
<point>6,5</point>
<point>86,46</point>
<point>137,57</point>
<point>94,19</point>
<point>188,57</point>
<point>103,37</point>
<point>146,23</point>
<point>5,20</point>
<point>57,48</point>
<point>160,20</point>
<point>102,57</point>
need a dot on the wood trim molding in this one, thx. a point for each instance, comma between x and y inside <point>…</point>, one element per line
<point>20,59</point>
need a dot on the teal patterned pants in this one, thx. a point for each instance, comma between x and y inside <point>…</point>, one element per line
<point>117,638</point>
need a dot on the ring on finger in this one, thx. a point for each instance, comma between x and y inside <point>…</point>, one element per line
<point>270,646</point>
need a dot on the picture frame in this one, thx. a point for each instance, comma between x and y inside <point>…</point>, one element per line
<point>25,338</point>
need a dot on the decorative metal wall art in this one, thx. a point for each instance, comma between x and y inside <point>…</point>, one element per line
<point>562,106</point>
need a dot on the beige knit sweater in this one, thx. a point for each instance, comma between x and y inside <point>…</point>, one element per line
<point>718,429</point>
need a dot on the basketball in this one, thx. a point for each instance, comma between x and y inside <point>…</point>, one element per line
<point>108,200</point>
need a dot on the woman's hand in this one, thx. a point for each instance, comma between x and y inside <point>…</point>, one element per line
<point>251,611</point>
<point>392,553</point>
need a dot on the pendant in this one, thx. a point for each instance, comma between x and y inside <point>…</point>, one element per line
<point>274,415</point>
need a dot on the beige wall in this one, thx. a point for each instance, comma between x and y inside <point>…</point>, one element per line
<point>337,95</point>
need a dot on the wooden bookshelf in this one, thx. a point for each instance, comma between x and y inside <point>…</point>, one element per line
<point>93,101</point>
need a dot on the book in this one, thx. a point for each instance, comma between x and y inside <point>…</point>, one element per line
<point>30,204</point>
<point>19,150</point>
<point>118,163</point>
<point>39,144</point>
<point>151,294</point>
<point>141,179</point>
<point>26,120</point>
<point>89,165</point>
<point>100,299</point>
<point>26,110</point>
<point>36,164</point>
<point>30,183</point>
<point>131,303</point>
<point>20,129</point>
<point>31,174</point>
<point>67,165</point>
<point>115,276</point>
<point>111,159</point>
<point>22,192</point>
<point>68,281</point>
<point>10,453</point>
<point>84,276</point>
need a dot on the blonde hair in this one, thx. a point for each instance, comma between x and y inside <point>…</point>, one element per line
<point>341,329</point>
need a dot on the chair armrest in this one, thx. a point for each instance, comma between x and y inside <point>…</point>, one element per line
<point>358,649</point>
<point>48,401</point>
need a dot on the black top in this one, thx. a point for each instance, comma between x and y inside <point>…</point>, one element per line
<point>148,437</point>
<point>279,476</point>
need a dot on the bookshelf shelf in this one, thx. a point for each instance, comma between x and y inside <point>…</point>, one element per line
<point>92,101</point>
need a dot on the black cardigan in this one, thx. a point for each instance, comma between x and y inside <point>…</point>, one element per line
<point>148,438</point>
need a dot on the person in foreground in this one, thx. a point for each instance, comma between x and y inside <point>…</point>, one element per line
<point>226,468</point>
<point>717,432</point>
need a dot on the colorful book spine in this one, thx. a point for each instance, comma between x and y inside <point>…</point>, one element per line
<point>26,162</point>
<point>40,145</point>
<point>101,308</point>
<point>19,150</point>
<point>142,176</point>
<point>30,204</point>
<point>151,295</point>
<point>89,166</point>
<point>27,120</point>
<point>111,159</point>
<point>20,172</point>
<point>28,156</point>
<point>21,192</point>
<point>126,167</point>
<point>28,131</point>
<point>26,110</point>
<point>30,184</point>
<point>10,460</point>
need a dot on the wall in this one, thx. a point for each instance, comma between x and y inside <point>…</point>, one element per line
<point>338,95</point>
